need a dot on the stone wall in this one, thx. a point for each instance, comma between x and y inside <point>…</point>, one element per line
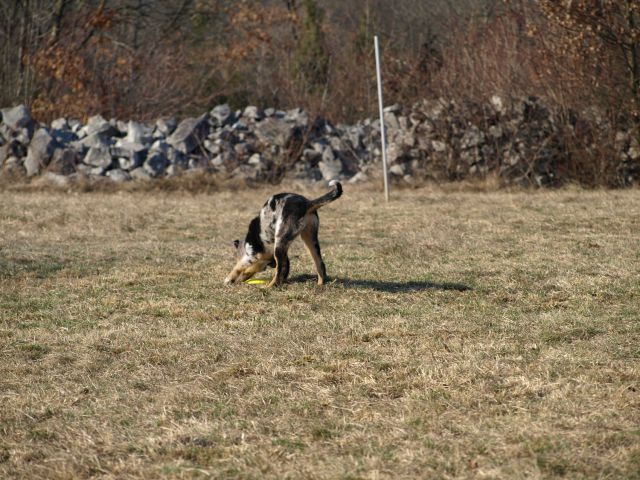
<point>522,141</point>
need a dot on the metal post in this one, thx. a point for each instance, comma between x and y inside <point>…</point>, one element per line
<point>382,131</point>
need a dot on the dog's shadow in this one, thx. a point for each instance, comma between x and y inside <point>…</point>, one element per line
<point>387,286</point>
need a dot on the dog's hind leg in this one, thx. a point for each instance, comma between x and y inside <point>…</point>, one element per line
<point>310,238</point>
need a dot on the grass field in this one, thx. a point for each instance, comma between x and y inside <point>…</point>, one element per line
<point>464,335</point>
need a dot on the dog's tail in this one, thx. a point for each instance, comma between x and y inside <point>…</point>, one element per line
<point>326,198</point>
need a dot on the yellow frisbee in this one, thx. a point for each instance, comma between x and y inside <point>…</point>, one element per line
<point>256,281</point>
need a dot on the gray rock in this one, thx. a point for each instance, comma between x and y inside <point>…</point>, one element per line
<point>212,147</point>
<point>227,135</point>
<point>397,170</point>
<point>622,139</point>
<point>355,136</point>
<point>297,116</point>
<point>156,163</point>
<point>122,127</point>
<point>257,161</point>
<point>272,131</point>
<point>222,115</point>
<point>434,139</point>
<point>511,158</point>
<point>240,126</point>
<point>17,117</point>
<point>160,146</point>
<point>176,157</point>
<point>12,149</point>
<point>118,176</point>
<point>166,126</point>
<point>89,171</point>
<point>98,157</point>
<point>218,161</point>
<point>470,155</point>
<point>98,125</point>
<point>495,132</point>
<point>438,146</point>
<point>75,125</point>
<point>63,161</point>
<point>498,104</point>
<point>328,154</point>
<point>473,137</point>
<point>94,140</point>
<point>189,134</point>
<point>130,154</point>
<point>23,135</point>
<point>391,121</point>
<point>83,170</point>
<point>416,118</point>
<point>242,150</point>
<point>5,133</point>
<point>253,113</point>
<point>64,137</point>
<point>478,170</point>
<point>138,133</point>
<point>130,163</point>
<point>395,108</point>
<point>60,124</point>
<point>434,109</point>
<point>311,156</point>
<point>39,152</point>
<point>409,139</point>
<point>330,166</point>
<point>394,152</point>
<point>175,170</point>
<point>13,167</point>
<point>125,148</point>
<point>337,144</point>
<point>140,174</point>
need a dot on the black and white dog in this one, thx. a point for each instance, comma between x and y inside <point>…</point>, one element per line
<point>282,218</point>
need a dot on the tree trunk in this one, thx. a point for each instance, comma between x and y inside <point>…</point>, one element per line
<point>57,19</point>
<point>9,64</point>
<point>24,32</point>
<point>634,54</point>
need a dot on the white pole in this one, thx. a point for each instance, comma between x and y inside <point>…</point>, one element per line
<point>382,132</point>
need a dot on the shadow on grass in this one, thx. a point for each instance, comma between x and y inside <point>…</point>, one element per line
<point>387,286</point>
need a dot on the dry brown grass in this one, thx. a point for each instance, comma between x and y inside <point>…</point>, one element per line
<point>466,335</point>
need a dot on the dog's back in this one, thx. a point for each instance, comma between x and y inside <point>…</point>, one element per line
<point>286,211</point>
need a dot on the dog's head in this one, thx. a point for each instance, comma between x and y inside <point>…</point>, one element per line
<point>251,257</point>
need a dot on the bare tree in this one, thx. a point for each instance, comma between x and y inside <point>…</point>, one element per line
<point>597,27</point>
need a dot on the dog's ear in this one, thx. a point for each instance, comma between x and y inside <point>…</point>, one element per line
<point>236,243</point>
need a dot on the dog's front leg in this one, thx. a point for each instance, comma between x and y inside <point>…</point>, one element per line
<point>282,265</point>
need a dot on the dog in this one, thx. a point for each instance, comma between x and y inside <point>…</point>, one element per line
<point>282,218</point>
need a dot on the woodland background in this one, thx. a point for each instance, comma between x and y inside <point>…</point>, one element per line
<point>144,59</point>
